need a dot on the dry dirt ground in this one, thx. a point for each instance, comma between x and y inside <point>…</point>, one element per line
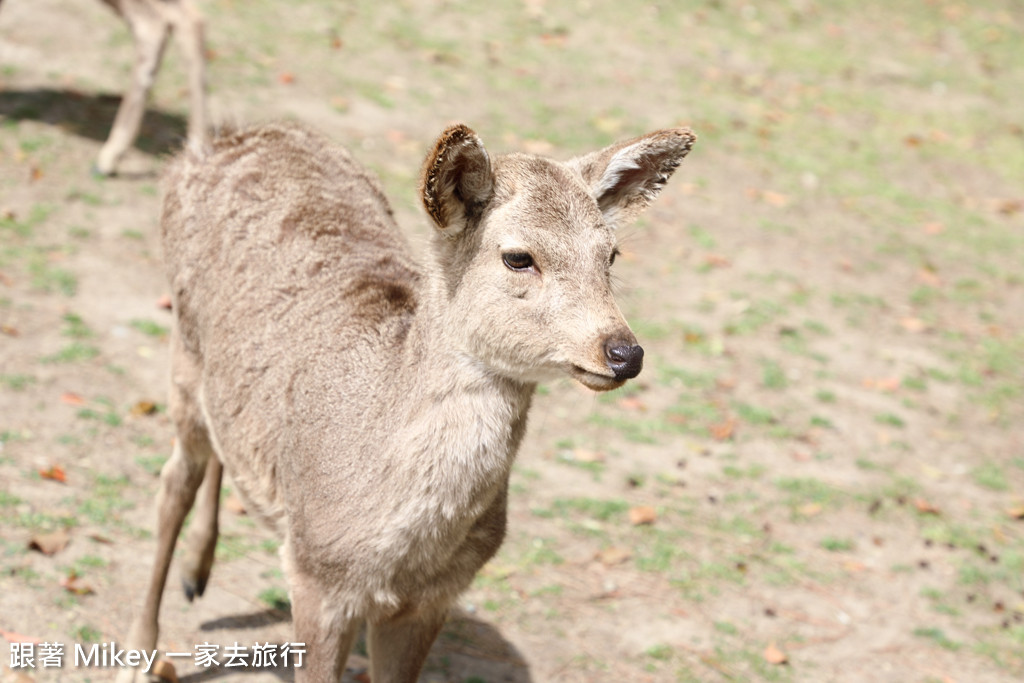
<point>818,477</point>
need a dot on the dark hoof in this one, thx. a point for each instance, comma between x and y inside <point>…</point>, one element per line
<point>193,589</point>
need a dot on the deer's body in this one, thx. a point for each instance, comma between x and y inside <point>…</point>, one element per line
<point>367,408</point>
<point>346,338</point>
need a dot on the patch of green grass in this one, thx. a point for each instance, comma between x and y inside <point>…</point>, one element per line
<point>49,278</point>
<point>86,633</point>
<point>691,379</point>
<point>601,510</point>
<point>108,417</point>
<point>890,419</point>
<point>8,499</point>
<point>915,383</point>
<point>817,327</point>
<point>150,328</point>
<point>834,544</point>
<point>275,598</point>
<point>660,552</point>
<point>106,500</point>
<point>938,637</point>
<point>151,463</point>
<point>773,376</point>
<point>990,476</point>
<point>541,551</point>
<point>754,415</point>
<point>75,327</point>
<point>89,562</point>
<point>16,382</point>
<point>726,627</point>
<point>808,490</point>
<point>72,353</point>
<point>702,237</point>
<point>24,228</point>
<point>660,652</point>
<point>826,396</point>
<point>645,430</point>
<point>755,315</point>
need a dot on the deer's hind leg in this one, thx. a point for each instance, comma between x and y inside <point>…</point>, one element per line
<point>201,540</point>
<point>180,479</point>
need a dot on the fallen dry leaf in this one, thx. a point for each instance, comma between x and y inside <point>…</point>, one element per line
<point>913,324</point>
<point>809,509</point>
<point>9,331</point>
<point>888,384</point>
<point>1017,511</point>
<point>614,555</point>
<point>143,408</point>
<point>929,277</point>
<point>642,514</point>
<point>51,543</point>
<point>773,655</point>
<point>724,430</point>
<point>632,403</point>
<point>776,199</point>
<point>233,504</point>
<point>585,455</point>
<point>926,508</point>
<point>164,302</point>
<point>286,78</point>
<point>933,228</point>
<point>55,473</point>
<point>72,399</point>
<point>164,670</point>
<point>691,337</point>
<point>1010,207</point>
<point>72,584</point>
<point>12,637</point>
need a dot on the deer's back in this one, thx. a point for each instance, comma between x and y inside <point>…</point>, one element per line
<point>293,291</point>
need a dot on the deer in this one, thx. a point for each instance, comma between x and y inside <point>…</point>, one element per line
<point>151,23</point>
<point>367,406</point>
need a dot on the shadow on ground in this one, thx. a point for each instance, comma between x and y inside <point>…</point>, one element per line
<point>467,648</point>
<point>90,116</point>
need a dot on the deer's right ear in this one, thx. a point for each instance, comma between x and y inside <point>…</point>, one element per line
<point>627,176</point>
<point>457,181</point>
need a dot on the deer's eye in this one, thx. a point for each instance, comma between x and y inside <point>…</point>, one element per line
<point>517,260</point>
<point>615,252</point>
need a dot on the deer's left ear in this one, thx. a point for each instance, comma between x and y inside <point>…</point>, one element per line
<point>457,181</point>
<point>626,177</point>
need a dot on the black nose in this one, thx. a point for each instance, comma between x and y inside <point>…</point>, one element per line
<point>625,360</point>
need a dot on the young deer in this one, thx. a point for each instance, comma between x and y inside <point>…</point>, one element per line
<point>151,22</point>
<point>366,407</point>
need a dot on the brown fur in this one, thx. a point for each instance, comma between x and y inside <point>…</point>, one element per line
<point>366,407</point>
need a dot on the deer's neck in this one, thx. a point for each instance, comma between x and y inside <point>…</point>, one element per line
<point>468,421</point>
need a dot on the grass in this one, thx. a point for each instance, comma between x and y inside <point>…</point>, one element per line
<point>275,598</point>
<point>937,636</point>
<point>75,352</point>
<point>828,149</point>
<point>150,328</point>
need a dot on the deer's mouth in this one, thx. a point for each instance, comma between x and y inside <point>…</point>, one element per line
<point>594,381</point>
